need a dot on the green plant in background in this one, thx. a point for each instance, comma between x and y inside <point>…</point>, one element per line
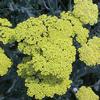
<point>47,43</point>
<point>86,93</point>
<point>5,63</point>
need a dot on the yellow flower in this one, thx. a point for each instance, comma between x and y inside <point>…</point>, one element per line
<point>86,93</point>
<point>86,11</point>
<point>5,63</point>
<point>90,52</point>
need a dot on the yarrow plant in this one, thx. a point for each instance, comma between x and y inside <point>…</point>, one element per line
<point>52,53</point>
<point>83,10</point>
<point>47,42</point>
<point>93,49</point>
<point>5,63</point>
<point>86,93</point>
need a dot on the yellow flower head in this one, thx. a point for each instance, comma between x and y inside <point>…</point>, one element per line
<point>5,63</point>
<point>86,93</point>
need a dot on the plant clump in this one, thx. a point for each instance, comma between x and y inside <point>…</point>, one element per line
<point>47,43</point>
